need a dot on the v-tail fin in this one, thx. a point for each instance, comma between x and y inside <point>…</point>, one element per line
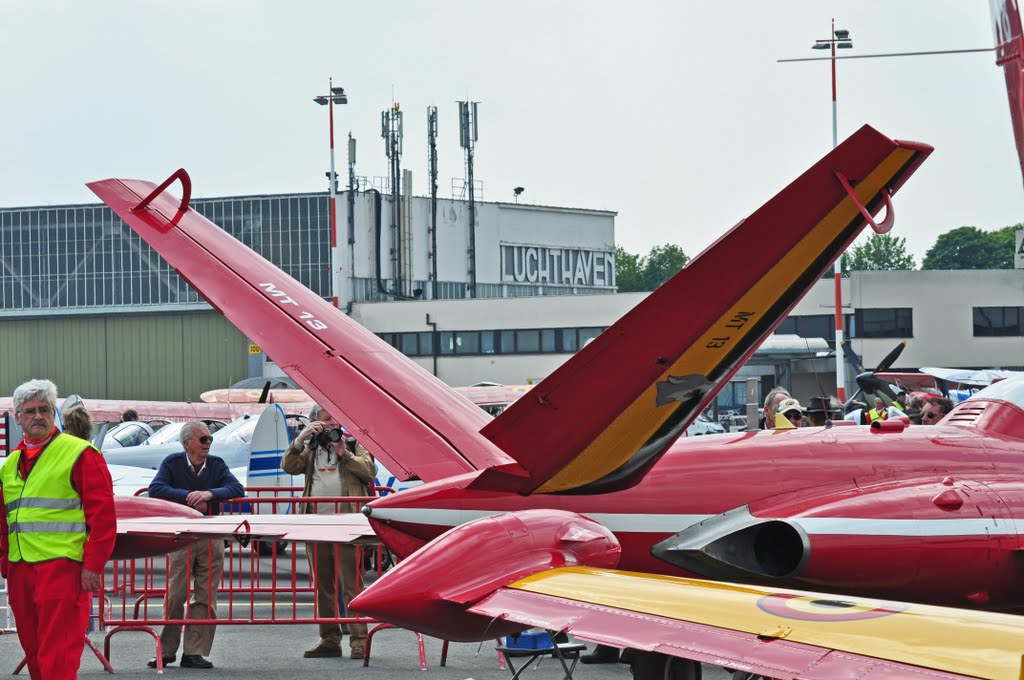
<point>601,420</point>
<point>403,415</point>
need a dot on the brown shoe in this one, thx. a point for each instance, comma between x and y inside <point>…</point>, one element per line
<point>357,653</point>
<point>322,651</point>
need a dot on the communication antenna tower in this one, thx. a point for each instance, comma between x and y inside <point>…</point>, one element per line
<point>391,131</point>
<point>432,171</point>
<point>351,189</point>
<point>467,140</point>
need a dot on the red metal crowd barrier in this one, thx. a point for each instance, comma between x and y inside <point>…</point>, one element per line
<point>263,583</point>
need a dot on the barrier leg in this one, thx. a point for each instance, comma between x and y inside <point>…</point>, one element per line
<point>21,664</point>
<point>382,626</point>
<point>501,657</point>
<point>423,652</point>
<point>103,660</point>
<point>444,653</point>
<point>144,629</point>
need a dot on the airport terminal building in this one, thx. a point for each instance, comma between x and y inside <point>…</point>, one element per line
<point>85,302</point>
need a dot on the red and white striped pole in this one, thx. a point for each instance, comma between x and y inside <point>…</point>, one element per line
<point>335,251</point>
<point>840,362</point>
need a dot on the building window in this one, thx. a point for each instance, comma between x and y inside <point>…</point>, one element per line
<point>426,344</point>
<point>894,322</point>
<point>410,344</point>
<point>528,341</point>
<point>507,342</point>
<point>447,342</point>
<point>998,321</point>
<point>815,326</point>
<point>567,340</point>
<point>587,334</point>
<point>467,342</point>
<point>488,343</point>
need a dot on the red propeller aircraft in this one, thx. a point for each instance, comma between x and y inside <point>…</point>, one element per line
<point>585,473</point>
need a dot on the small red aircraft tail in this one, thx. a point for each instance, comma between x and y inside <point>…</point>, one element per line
<point>1009,36</point>
<point>600,421</point>
<point>404,415</point>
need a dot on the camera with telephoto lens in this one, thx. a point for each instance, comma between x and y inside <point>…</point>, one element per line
<point>330,436</point>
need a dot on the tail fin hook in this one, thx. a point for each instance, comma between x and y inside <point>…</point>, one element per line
<point>186,192</point>
<point>890,216</point>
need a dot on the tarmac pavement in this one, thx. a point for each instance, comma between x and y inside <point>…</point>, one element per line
<point>270,652</point>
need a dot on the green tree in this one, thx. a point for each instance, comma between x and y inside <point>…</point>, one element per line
<point>628,271</point>
<point>1003,246</point>
<point>971,248</point>
<point>661,264</point>
<point>879,252</point>
<point>634,273</point>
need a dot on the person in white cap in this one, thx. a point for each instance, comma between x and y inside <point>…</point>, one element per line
<point>789,414</point>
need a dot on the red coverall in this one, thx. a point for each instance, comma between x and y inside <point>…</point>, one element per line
<point>51,610</point>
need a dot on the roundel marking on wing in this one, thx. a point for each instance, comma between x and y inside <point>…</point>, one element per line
<point>804,608</point>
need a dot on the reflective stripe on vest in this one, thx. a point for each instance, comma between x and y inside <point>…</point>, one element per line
<point>44,513</point>
<point>52,503</point>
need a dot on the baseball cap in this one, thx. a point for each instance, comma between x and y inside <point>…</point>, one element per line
<point>789,405</point>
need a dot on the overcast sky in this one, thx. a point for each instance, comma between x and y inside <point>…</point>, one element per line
<point>675,114</point>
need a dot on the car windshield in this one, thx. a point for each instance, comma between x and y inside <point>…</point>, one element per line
<point>129,434</point>
<point>166,434</point>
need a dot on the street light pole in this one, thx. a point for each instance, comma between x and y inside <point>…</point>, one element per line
<point>336,96</point>
<point>840,38</point>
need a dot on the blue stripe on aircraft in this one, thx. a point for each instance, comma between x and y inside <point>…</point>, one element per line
<point>270,463</point>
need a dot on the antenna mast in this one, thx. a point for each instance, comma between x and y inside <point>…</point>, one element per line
<point>467,140</point>
<point>391,131</point>
<point>432,170</point>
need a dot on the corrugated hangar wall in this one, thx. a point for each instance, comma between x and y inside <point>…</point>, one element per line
<point>168,357</point>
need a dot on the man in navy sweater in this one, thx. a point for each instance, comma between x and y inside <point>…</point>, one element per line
<point>197,479</point>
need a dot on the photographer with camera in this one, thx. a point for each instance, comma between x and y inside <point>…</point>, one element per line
<point>331,469</point>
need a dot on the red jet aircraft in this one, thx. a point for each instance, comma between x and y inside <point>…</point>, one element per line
<point>585,470</point>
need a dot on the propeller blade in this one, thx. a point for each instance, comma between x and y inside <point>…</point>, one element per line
<point>265,393</point>
<point>891,357</point>
<point>852,357</point>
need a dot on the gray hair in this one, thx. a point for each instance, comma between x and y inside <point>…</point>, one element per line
<point>35,389</point>
<point>314,413</point>
<point>188,431</point>
<point>775,391</point>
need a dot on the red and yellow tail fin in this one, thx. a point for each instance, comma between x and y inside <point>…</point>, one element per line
<point>603,418</point>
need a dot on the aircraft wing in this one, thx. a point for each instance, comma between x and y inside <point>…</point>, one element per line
<point>342,528</point>
<point>969,377</point>
<point>777,633</point>
<point>600,421</point>
<point>403,414</point>
<point>110,410</point>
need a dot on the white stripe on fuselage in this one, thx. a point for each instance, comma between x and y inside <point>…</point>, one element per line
<point>670,524</point>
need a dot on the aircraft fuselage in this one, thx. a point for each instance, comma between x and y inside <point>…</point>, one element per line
<point>922,513</point>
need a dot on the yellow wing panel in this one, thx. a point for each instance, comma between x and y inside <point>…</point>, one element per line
<point>967,642</point>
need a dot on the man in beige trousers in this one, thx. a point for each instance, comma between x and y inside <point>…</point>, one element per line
<point>319,453</point>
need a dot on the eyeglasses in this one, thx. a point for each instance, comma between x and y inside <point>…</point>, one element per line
<point>794,415</point>
<point>205,439</point>
<point>931,414</point>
